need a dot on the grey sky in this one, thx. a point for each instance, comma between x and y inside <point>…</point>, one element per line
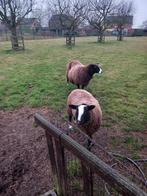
<point>140,14</point>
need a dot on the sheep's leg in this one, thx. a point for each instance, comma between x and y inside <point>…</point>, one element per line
<point>78,85</point>
<point>70,120</point>
<point>82,86</point>
<point>67,79</point>
<point>89,143</point>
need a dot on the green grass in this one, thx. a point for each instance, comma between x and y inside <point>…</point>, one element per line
<point>128,142</point>
<point>36,77</point>
<point>73,168</point>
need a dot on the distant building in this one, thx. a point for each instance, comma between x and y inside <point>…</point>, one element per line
<point>139,32</point>
<point>27,25</point>
<point>89,30</point>
<point>4,32</point>
<point>127,22</point>
<point>55,26</point>
<point>30,24</point>
<point>3,27</point>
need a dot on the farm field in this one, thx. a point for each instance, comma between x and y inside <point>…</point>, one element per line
<point>34,80</point>
<point>36,77</point>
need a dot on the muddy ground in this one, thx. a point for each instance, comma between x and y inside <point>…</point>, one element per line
<point>24,161</point>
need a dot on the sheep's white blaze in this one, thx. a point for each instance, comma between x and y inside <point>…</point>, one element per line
<point>100,71</point>
<point>70,127</point>
<point>80,111</point>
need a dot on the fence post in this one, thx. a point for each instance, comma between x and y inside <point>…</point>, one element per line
<point>62,169</point>
<point>89,161</point>
<point>52,157</point>
<point>87,180</point>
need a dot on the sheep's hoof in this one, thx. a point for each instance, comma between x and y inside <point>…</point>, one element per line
<point>88,144</point>
<point>71,128</point>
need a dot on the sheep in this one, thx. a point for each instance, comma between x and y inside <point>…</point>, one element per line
<point>79,74</point>
<point>86,111</point>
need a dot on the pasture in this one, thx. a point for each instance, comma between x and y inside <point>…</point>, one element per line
<point>36,77</point>
<point>34,81</point>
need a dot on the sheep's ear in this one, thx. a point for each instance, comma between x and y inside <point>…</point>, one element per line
<point>90,107</point>
<point>73,106</point>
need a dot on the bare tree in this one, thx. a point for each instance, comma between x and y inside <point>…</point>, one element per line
<point>12,12</point>
<point>123,14</point>
<point>71,14</point>
<point>38,14</point>
<point>97,15</point>
<point>144,24</point>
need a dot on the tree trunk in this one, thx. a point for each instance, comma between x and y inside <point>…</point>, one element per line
<point>70,39</point>
<point>6,34</point>
<point>14,39</point>
<point>101,37</point>
<point>120,34</point>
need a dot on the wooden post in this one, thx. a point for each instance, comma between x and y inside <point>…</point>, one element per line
<point>52,158</point>
<point>62,169</point>
<point>51,152</point>
<point>107,173</point>
<point>87,180</point>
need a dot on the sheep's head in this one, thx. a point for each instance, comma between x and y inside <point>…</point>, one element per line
<point>94,68</point>
<point>82,114</point>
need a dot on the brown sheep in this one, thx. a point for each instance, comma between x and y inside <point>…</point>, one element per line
<point>79,74</point>
<point>86,110</point>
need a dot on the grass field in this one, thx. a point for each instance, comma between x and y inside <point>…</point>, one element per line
<point>36,77</point>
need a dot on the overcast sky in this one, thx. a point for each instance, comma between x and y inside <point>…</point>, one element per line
<point>140,14</point>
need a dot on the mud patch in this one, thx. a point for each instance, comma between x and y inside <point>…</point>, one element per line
<point>24,162</point>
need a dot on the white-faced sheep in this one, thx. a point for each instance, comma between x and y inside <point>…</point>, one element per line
<point>86,111</point>
<point>80,74</point>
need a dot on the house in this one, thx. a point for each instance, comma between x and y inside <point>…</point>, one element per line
<point>30,24</point>
<point>59,25</point>
<point>126,21</point>
<point>3,27</point>
<point>139,32</point>
<point>89,30</point>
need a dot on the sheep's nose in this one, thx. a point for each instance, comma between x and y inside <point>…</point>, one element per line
<point>78,122</point>
<point>100,71</point>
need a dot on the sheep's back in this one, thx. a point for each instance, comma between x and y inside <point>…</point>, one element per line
<point>78,97</point>
<point>72,64</point>
<point>76,73</point>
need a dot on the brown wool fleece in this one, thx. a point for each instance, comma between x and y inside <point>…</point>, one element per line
<point>77,73</point>
<point>78,97</point>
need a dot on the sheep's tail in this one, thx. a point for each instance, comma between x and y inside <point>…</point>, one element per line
<point>67,78</point>
<point>69,66</point>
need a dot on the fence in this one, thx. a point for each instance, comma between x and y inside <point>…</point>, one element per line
<point>70,39</point>
<point>17,42</point>
<point>78,171</point>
